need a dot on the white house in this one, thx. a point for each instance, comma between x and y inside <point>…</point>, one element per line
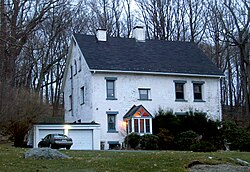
<point>120,83</point>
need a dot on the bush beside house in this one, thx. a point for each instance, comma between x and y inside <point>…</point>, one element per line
<point>191,132</point>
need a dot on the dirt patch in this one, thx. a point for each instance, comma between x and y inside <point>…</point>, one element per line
<point>218,168</point>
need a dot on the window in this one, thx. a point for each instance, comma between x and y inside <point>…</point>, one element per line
<point>80,64</point>
<point>71,102</point>
<point>71,72</point>
<point>136,128</point>
<point>144,93</point>
<point>179,90</point>
<point>197,88</point>
<point>141,125</point>
<point>130,126</point>
<point>110,84</point>
<point>75,67</point>
<point>82,95</point>
<point>147,126</point>
<point>197,92</point>
<point>112,121</point>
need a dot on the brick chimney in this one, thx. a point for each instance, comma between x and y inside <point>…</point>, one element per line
<point>139,34</point>
<point>101,34</point>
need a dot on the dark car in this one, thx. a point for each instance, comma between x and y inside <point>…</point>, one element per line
<point>56,141</point>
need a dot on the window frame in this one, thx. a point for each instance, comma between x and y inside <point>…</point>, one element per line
<point>135,125</point>
<point>111,80</point>
<point>75,65</point>
<point>82,95</point>
<point>148,95</point>
<point>180,83</point>
<point>114,128</point>
<point>71,71</point>
<point>80,64</point>
<point>70,102</point>
<point>200,85</point>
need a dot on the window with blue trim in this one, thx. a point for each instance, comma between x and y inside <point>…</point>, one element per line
<point>111,122</point>
<point>197,90</point>
<point>111,119</point>
<point>110,87</point>
<point>179,90</point>
<point>144,94</point>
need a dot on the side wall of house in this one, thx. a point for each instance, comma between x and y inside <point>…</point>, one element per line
<point>78,107</point>
<point>162,94</point>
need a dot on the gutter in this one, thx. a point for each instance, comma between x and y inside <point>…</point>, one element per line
<point>156,73</point>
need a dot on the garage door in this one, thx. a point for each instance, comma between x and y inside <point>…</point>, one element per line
<point>82,139</point>
<point>44,132</point>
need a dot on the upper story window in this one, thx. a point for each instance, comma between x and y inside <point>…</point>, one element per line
<point>71,72</point>
<point>198,90</point>
<point>75,63</point>
<point>179,90</point>
<point>112,121</point>
<point>70,103</point>
<point>80,64</point>
<point>82,95</point>
<point>110,87</point>
<point>144,93</point>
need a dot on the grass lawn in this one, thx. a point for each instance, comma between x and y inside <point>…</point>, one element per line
<point>11,159</point>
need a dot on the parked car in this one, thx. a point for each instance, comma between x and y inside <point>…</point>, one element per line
<point>56,141</point>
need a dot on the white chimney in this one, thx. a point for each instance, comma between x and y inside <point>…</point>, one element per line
<point>139,34</point>
<point>101,34</point>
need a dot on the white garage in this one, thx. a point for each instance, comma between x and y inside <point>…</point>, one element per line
<point>85,136</point>
<point>81,139</point>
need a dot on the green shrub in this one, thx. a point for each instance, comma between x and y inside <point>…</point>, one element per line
<point>167,120</point>
<point>235,135</point>
<point>245,147</point>
<point>185,139</point>
<point>203,146</point>
<point>165,139</point>
<point>149,142</point>
<point>132,140</point>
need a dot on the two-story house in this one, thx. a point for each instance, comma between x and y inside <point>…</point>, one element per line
<point>120,83</point>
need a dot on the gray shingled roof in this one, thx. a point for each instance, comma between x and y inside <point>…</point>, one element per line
<point>125,54</point>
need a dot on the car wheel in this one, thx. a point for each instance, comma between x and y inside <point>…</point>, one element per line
<point>67,147</point>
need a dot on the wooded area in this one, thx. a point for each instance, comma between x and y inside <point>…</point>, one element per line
<point>35,36</point>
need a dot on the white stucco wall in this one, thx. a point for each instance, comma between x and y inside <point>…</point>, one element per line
<point>82,78</point>
<point>162,95</point>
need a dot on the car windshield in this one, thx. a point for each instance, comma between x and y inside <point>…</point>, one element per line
<point>60,136</point>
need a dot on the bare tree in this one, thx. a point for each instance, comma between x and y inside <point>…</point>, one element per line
<point>21,110</point>
<point>236,29</point>
<point>18,20</point>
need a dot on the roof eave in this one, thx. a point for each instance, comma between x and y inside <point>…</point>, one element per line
<point>157,73</point>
